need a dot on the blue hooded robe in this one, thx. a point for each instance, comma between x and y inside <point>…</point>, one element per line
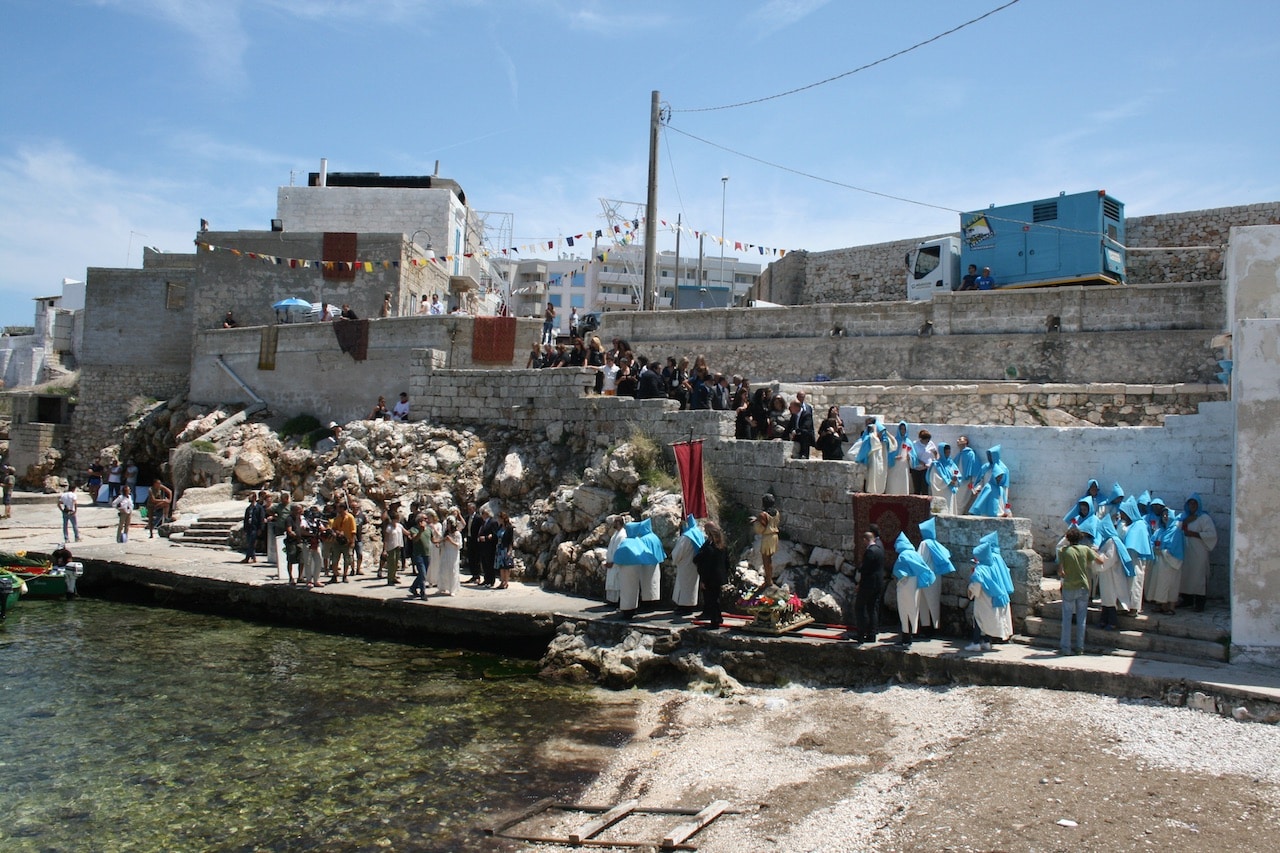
<point>992,499</point>
<point>911,564</point>
<point>642,547</point>
<point>939,556</point>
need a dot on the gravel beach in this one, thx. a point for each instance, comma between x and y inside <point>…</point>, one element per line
<point>962,768</point>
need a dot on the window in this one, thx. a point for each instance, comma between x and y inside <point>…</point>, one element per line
<point>341,248</point>
<point>577,300</point>
<point>927,260</point>
<point>175,295</point>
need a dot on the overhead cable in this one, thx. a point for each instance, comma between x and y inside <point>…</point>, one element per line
<point>879,61</point>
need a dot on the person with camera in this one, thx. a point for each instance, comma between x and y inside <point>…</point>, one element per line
<point>343,531</point>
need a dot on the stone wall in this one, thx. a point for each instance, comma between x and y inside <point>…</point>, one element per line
<point>1048,466</point>
<point>248,287</point>
<point>1155,334</point>
<point>1192,228</point>
<point>1016,404</point>
<point>137,344</point>
<point>313,376</point>
<point>28,445</point>
<point>877,272</point>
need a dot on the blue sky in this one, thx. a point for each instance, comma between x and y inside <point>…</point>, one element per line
<point>128,121</point>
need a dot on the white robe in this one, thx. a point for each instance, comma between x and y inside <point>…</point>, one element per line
<point>1168,578</point>
<point>909,597</point>
<point>685,592</point>
<point>449,578</point>
<point>878,463</point>
<point>1113,583</point>
<point>992,621</point>
<point>1195,559</point>
<point>931,595</point>
<point>433,531</point>
<point>611,583</point>
<point>939,487</point>
<point>898,480</point>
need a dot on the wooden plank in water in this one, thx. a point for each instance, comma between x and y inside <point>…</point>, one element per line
<point>609,818</point>
<point>682,832</point>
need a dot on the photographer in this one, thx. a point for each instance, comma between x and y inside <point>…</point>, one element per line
<point>343,533</point>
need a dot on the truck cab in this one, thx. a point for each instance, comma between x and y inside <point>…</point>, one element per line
<point>933,267</point>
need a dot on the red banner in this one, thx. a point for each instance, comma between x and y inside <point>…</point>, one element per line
<point>689,464</point>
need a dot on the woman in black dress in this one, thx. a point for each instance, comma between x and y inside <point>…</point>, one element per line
<point>831,435</point>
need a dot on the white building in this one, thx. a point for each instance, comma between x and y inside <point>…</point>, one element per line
<point>429,210</point>
<point>49,348</point>
<point>611,280</point>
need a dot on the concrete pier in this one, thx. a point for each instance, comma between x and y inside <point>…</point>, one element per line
<point>522,620</point>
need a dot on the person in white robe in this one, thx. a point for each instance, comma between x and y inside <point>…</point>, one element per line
<point>690,541</point>
<point>944,481</point>
<point>938,558</point>
<point>638,558</point>
<point>901,459</point>
<point>1114,578</point>
<point>1137,541</point>
<point>989,587</point>
<point>611,585</point>
<point>879,445</point>
<point>1201,536</point>
<point>449,577</point>
<point>435,538</point>
<point>1169,546</point>
<point>913,575</point>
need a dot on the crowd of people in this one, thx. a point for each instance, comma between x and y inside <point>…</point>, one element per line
<point>1131,552</point>
<point>326,542</point>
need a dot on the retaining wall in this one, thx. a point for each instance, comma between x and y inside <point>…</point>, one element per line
<point>1049,466</point>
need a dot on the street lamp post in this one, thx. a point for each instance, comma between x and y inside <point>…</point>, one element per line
<point>430,254</point>
<point>724,191</point>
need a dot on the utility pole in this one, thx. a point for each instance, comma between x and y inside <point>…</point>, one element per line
<point>651,209</point>
<point>675,294</point>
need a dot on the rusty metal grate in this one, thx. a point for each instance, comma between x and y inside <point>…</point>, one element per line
<point>588,834</point>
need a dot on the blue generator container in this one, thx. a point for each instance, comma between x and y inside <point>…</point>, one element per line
<point>1070,239</point>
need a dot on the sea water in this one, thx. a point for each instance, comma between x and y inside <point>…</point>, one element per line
<point>132,728</point>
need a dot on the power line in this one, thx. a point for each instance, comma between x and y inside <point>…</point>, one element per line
<point>883,59</point>
<point>811,176</point>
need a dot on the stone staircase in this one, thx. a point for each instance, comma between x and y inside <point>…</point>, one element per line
<point>212,531</point>
<point>1186,636</point>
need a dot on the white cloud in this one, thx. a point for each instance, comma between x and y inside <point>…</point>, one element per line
<point>779,14</point>
<point>213,28</point>
<point>60,214</point>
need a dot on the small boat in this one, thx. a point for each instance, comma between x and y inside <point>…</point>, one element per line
<point>39,576</point>
<point>11,589</point>
<point>53,581</point>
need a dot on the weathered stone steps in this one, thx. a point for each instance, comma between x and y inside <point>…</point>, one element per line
<point>1044,631</point>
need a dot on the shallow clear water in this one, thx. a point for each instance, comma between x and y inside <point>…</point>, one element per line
<point>130,728</point>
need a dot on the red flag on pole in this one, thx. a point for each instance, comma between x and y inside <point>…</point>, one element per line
<point>689,464</point>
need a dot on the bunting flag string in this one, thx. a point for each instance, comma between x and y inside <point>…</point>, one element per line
<point>625,234</point>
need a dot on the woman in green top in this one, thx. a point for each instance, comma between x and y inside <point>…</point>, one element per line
<point>1075,567</point>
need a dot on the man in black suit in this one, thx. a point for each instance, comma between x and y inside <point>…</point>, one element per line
<point>870,589</point>
<point>470,544</point>
<point>650,387</point>
<point>800,430</point>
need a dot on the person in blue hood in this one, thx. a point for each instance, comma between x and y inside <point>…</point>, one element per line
<point>685,591</point>
<point>967,460</point>
<point>1116,575</point>
<point>993,498</point>
<point>901,461</point>
<point>938,558</point>
<point>1200,535</point>
<point>1137,541</point>
<point>913,575</point>
<point>1169,544</point>
<point>637,558</point>
<point>944,480</point>
<point>989,587</point>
